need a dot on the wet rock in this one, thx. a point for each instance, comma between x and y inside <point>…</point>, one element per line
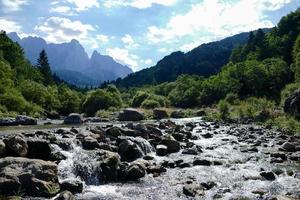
<point>25,120</point>
<point>160,113</point>
<point>172,145</point>
<point>192,151</point>
<point>208,185</point>
<point>287,146</point>
<point>207,135</point>
<point>156,169</point>
<point>73,118</point>
<point>129,151</point>
<point>184,165</point>
<point>17,145</point>
<point>131,114</point>
<point>279,155</point>
<point>201,162</point>
<point>90,143</point>
<point>135,172</point>
<point>114,132</point>
<point>39,149</point>
<point>193,190</point>
<point>177,114</point>
<point>74,186</point>
<point>8,121</point>
<point>34,177</point>
<point>161,150</point>
<point>110,166</point>
<point>2,148</point>
<point>270,176</point>
<point>66,195</point>
<point>178,136</point>
<point>9,185</point>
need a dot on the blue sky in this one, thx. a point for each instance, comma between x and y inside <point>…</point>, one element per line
<point>138,33</point>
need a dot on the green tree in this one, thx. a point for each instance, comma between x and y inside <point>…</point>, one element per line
<point>44,67</point>
<point>296,55</point>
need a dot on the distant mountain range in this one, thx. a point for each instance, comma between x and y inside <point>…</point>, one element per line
<point>205,60</point>
<point>71,62</point>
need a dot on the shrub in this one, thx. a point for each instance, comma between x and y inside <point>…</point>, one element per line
<point>139,98</point>
<point>150,104</point>
<point>288,90</point>
<point>223,109</point>
<point>232,98</point>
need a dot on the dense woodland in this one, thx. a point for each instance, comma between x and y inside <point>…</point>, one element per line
<point>260,74</point>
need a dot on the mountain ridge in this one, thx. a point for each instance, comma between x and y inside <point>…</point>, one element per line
<point>70,61</point>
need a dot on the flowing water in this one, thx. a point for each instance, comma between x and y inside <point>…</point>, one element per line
<point>237,177</point>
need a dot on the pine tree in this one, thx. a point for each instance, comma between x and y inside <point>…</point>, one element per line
<point>296,54</point>
<point>44,67</point>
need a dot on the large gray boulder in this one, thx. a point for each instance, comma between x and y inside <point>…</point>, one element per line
<point>2,148</point>
<point>159,113</point>
<point>17,145</point>
<point>292,104</point>
<point>25,120</point>
<point>135,172</point>
<point>33,177</point>
<point>74,118</point>
<point>8,121</point>
<point>131,114</point>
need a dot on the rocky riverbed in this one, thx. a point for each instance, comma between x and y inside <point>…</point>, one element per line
<point>168,159</point>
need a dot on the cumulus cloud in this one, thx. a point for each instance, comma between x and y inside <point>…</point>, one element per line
<point>102,38</point>
<point>124,57</point>
<point>12,5</point>
<point>140,4</point>
<point>129,42</point>
<point>9,26</point>
<point>217,19</point>
<point>58,29</point>
<point>82,5</point>
<point>66,10</point>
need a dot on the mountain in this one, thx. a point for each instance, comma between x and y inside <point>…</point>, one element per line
<point>205,60</point>
<point>71,62</point>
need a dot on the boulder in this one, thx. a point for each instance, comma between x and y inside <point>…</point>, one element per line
<point>73,118</point>
<point>193,190</point>
<point>270,176</point>
<point>72,185</point>
<point>25,120</point>
<point>110,165</point>
<point>201,162</point>
<point>8,121</point>
<point>114,132</point>
<point>177,114</point>
<point>135,172</point>
<point>2,148</point>
<point>131,114</point>
<point>160,113</point>
<point>17,146</point>
<point>66,195</point>
<point>89,143</point>
<point>287,146</point>
<point>161,150</point>
<point>129,151</point>
<point>33,177</point>
<point>39,149</point>
<point>172,145</point>
<point>292,104</point>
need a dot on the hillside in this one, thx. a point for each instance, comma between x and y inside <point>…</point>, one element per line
<point>205,60</point>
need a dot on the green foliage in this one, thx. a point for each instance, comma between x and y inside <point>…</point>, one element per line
<point>296,55</point>
<point>286,124</point>
<point>139,98</point>
<point>223,109</point>
<point>150,104</point>
<point>288,90</point>
<point>70,100</point>
<point>232,98</point>
<point>101,99</point>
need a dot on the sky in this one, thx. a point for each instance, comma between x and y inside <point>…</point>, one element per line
<point>138,33</point>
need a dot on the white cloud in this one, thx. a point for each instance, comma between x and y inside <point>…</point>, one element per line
<point>102,38</point>
<point>61,10</point>
<point>13,5</point>
<point>216,18</point>
<point>148,61</point>
<point>82,5</point>
<point>123,56</point>
<point>9,26</point>
<point>129,42</point>
<point>140,4</point>
<point>57,30</point>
